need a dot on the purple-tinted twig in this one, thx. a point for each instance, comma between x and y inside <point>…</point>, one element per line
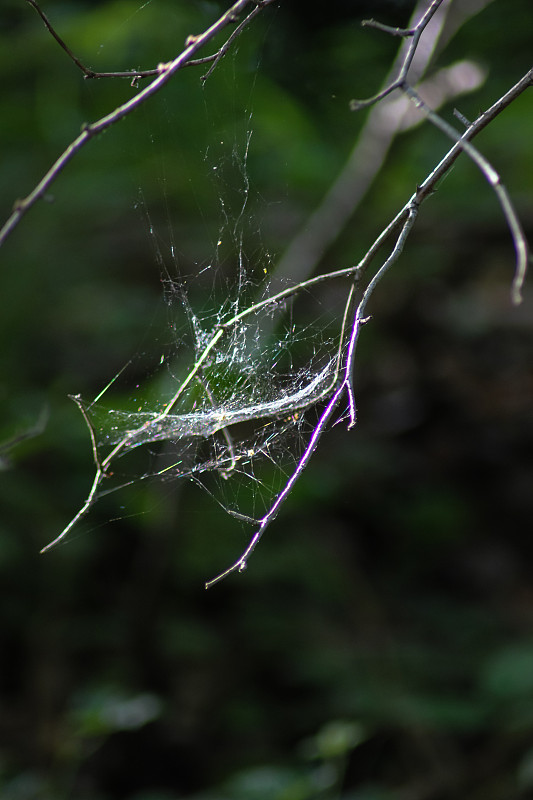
<point>343,387</point>
<point>406,218</point>
<point>241,564</point>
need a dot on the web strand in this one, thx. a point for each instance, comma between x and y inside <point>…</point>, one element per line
<point>244,393</point>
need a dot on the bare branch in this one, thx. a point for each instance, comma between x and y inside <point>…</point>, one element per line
<point>241,564</point>
<point>135,75</point>
<point>331,384</point>
<point>414,34</point>
<point>87,72</point>
<point>345,386</point>
<point>406,217</point>
<point>363,164</point>
<point>165,72</point>
<point>493,178</point>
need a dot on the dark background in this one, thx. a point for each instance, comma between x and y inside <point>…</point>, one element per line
<point>380,644</point>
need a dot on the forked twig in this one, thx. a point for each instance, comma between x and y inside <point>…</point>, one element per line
<point>334,384</point>
<point>90,130</point>
<point>381,126</point>
<point>462,140</point>
<point>493,178</point>
<point>405,218</point>
<point>212,422</point>
<point>408,215</point>
<point>344,387</point>
<point>414,34</point>
<point>134,74</point>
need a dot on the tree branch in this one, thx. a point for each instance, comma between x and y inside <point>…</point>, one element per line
<point>364,162</point>
<point>164,74</point>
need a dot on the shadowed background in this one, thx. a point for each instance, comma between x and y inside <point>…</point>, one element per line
<point>380,645</point>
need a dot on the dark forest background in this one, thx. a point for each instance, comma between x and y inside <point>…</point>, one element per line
<point>380,644</point>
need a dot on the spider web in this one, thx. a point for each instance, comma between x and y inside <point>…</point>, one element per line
<point>236,393</point>
<point>253,374</point>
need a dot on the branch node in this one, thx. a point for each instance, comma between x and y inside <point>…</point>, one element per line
<point>357,105</point>
<point>405,33</point>
<point>461,117</point>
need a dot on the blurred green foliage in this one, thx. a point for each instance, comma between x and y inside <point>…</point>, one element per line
<point>380,645</point>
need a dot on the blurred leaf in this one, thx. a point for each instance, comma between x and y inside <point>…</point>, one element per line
<point>104,711</point>
<point>508,673</point>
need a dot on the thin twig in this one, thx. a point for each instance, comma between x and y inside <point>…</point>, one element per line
<point>493,178</point>
<point>344,386</point>
<point>89,131</point>
<point>414,34</point>
<point>408,215</point>
<point>341,384</point>
<point>229,41</point>
<point>87,72</point>
<point>405,218</point>
<point>134,74</point>
<point>98,477</point>
<point>360,314</point>
<point>241,564</point>
<point>324,225</point>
